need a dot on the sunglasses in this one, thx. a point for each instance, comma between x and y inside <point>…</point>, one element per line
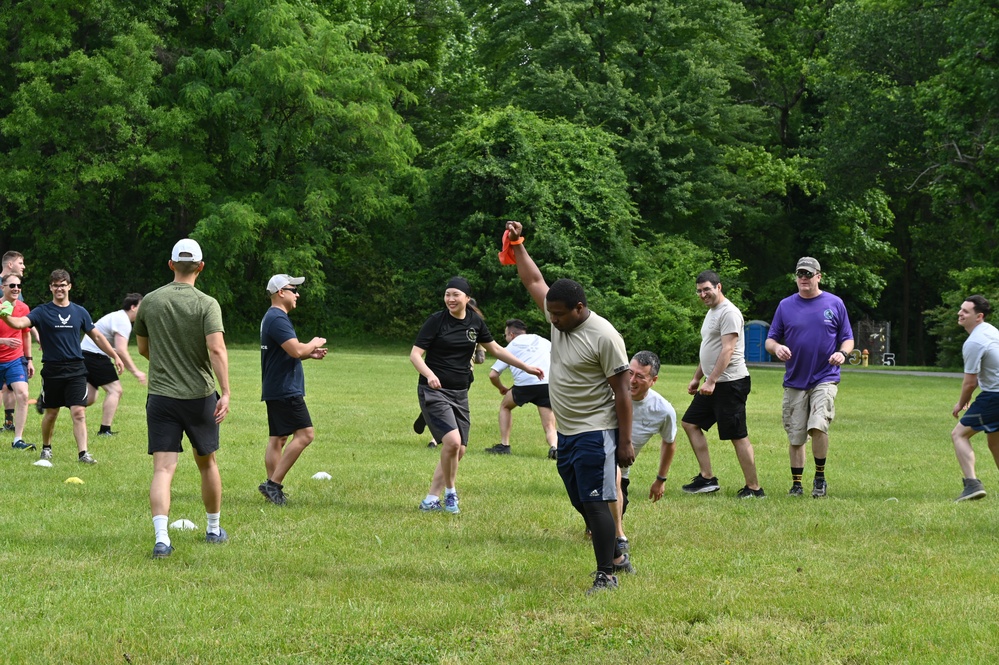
<point>13,286</point>
<point>807,274</point>
<point>293,289</point>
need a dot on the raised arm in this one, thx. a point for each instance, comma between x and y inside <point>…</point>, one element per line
<point>314,349</point>
<point>527,269</point>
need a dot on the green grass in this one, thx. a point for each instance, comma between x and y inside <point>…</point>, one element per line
<point>887,569</point>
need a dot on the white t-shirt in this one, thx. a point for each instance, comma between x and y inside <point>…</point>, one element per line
<point>532,350</point>
<point>650,416</point>
<point>115,323</point>
<point>981,356</point>
<point>723,319</point>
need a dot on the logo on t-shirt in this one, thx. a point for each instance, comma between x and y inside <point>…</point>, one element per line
<point>64,320</point>
<point>471,334</point>
<point>828,314</point>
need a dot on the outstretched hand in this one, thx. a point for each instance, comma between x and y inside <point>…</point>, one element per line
<point>515,229</point>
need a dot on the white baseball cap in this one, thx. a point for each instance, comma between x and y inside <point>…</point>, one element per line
<point>278,282</point>
<point>186,246</point>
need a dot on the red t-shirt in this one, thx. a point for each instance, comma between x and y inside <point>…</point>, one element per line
<point>8,353</point>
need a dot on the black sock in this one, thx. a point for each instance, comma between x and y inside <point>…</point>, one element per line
<point>80,455</point>
<point>274,484</point>
<point>104,428</point>
<point>598,514</point>
<point>8,414</point>
<point>820,468</point>
<point>796,473</point>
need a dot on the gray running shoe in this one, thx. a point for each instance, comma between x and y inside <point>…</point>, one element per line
<point>162,550</point>
<point>818,488</point>
<point>451,504</point>
<point>87,458</point>
<point>217,538</point>
<point>602,581</point>
<point>625,566</point>
<point>273,493</point>
<point>46,453</point>
<point>973,489</point>
<point>796,490</point>
<point>431,506</point>
<point>701,485</point>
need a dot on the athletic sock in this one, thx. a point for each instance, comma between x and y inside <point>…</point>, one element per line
<point>160,526</point>
<point>450,490</point>
<point>213,523</point>
<point>796,473</point>
<point>431,498</point>
<point>80,454</point>
<point>274,484</point>
<point>820,467</point>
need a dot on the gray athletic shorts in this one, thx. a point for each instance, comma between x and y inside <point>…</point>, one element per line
<point>445,411</point>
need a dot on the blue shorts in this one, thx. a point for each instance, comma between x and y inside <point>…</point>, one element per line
<point>983,414</point>
<point>13,372</point>
<point>587,463</point>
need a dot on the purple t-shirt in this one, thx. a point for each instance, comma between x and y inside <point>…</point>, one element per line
<point>813,328</point>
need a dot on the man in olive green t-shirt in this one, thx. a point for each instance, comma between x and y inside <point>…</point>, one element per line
<point>179,330</point>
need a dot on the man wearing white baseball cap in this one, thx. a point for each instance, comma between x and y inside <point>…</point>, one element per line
<point>179,330</point>
<point>283,385</point>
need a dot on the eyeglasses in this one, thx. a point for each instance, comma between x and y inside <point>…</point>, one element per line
<point>13,286</point>
<point>293,289</point>
<point>709,289</point>
<point>60,285</point>
<point>806,274</point>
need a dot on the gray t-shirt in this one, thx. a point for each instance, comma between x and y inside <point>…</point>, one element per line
<point>723,319</point>
<point>981,356</point>
<point>176,319</point>
<point>650,416</point>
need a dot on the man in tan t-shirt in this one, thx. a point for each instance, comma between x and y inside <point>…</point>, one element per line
<point>590,394</point>
<point>722,397</point>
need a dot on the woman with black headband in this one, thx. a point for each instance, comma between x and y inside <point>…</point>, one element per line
<point>440,354</point>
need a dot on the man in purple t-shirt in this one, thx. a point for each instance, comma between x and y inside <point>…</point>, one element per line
<point>811,334</point>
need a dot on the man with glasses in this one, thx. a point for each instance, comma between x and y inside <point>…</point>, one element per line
<point>116,326</point>
<point>811,334</point>
<point>179,330</point>
<point>13,264</point>
<point>64,374</point>
<point>722,397</point>
<point>15,346</point>
<point>283,385</point>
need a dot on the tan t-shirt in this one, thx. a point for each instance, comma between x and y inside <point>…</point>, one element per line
<point>582,361</point>
<point>723,319</point>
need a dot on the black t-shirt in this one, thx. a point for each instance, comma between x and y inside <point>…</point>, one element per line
<point>449,343</point>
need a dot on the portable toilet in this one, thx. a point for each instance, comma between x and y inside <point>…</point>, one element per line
<point>756,339</point>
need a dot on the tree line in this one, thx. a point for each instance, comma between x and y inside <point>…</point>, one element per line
<point>377,146</point>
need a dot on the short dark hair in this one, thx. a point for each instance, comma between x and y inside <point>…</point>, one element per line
<point>568,292</point>
<point>648,359</point>
<point>59,275</point>
<point>131,300</point>
<point>516,324</point>
<point>980,303</point>
<point>708,276</point>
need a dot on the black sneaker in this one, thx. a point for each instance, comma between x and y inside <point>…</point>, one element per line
<point>602,581</point>
<point>819,488</point>
<point>746,493</point>
<point>796,490</point>
<point>499,449</point>
<point>701,485</point>
<point>973,489</point>
<point>8,426</point>
<point>162,550</point>
<point>553,453</point>
<point>272,492</point>
<point>432,444</point>
<point>625,566</point>
<point>107,433</point>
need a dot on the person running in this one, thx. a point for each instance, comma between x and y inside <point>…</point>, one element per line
<point>592,405</point>
<point>440,354</point>
<point>527,389</point>
<point>64,374</point>
<point>651,414</point>
<point>15,346</point>
<point>179,330</point>
<point>116,327</point>
<point>283,385</point>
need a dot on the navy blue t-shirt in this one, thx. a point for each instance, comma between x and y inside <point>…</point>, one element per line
<point>281,375</point>
<point>60,329</point>
<point>449,344</point>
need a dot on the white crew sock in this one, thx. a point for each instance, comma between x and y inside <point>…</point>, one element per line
<point>213,523</point>
<point>160,526</point>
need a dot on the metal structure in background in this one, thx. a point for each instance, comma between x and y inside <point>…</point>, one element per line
<point>875,338</point>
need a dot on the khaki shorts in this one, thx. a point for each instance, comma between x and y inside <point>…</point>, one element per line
<point>804,410</point>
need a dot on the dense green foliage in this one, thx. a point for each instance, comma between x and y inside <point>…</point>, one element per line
<point>377,146</point>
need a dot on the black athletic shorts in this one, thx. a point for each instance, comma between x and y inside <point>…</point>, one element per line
<point>536,394</point>
<point>63,384</point>
<point>287,416</point>
<point>169,419</point>
<point>726,406</point>
<point>100,369</point>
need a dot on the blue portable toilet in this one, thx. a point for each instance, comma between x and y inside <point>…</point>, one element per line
<point>756,339</point>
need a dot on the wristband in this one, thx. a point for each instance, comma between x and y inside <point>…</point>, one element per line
<point>518,241</point>
<point>27,357</point>
<point>846,354</point>
<point>661,479</point>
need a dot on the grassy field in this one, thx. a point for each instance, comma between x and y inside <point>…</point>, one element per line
<point>887,569</point>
